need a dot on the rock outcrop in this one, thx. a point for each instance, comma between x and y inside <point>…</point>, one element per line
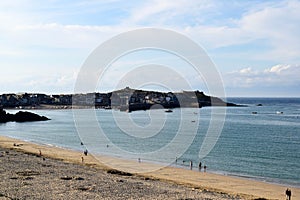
<point>21,116</point>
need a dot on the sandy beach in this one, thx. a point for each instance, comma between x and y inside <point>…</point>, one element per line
<point>31,171</point>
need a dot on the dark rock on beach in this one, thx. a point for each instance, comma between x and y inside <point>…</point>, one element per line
<point>20,116</point>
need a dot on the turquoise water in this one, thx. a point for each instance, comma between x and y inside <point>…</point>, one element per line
<point>263,146</point>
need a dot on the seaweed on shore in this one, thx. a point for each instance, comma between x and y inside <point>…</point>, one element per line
<point>114,171</point>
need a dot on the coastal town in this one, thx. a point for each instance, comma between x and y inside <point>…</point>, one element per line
<point>126,99</point>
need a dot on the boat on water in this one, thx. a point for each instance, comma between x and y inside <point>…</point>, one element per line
<point>279,112</point>
<point>168,111</point>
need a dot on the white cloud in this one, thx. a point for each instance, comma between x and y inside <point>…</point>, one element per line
<point>167,12</point>
<point>216,36</point>
<point>279,26</point>
<point>11,52</point>
<point>273,29</point>
<point>276,24</point>
<point>270,31</point>
<point>53,83</point>
<point>64,36</point>
<point>278,75</point>
<point>247,71</point>
<point>284,70</point>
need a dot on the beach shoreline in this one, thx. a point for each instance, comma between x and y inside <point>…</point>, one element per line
<point>236,186</point>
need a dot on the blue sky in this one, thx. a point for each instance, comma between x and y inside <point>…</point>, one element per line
<point>254,44</point>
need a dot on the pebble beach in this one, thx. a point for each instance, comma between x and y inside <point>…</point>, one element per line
<point>31,171</point>
<point>28,176</point>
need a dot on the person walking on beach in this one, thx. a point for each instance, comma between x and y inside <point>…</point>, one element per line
<point>200,166</point>
<point>191,165</point>
<point>85,152</point>
<point>204,168</point>
<point>288,194</point>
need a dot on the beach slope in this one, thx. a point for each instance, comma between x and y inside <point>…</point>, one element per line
<point>38,171</point>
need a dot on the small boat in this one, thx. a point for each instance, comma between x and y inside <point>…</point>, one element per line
<point>168,111</point>
<point>254,112</point>
<point>279,112</point>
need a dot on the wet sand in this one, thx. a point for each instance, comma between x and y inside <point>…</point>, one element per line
<point>60,174</point>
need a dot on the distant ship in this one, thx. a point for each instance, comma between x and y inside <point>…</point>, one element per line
<point>168,111</point>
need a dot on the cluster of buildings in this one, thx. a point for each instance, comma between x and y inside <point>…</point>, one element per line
<point>124,99</point>
<point>32,100</point>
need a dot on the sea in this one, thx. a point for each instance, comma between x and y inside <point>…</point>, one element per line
<point>260,140</point>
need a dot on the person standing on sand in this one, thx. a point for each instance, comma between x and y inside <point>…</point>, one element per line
<point>200,166</point>
<point>191,165</point>
<point>204,168</point>
<point>288,194</point>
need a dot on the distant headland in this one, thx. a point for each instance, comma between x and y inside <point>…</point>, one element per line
<point>126,99</point>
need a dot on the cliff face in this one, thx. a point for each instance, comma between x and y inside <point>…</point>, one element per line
<point>20,117</point>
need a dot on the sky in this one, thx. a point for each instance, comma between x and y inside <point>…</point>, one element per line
<point>255,45</point>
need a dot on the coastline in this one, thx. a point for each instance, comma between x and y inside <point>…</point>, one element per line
<point>236,186</point>
<point>126,99</point>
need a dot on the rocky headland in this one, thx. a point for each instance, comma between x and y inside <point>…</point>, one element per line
<point>126,99</point>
